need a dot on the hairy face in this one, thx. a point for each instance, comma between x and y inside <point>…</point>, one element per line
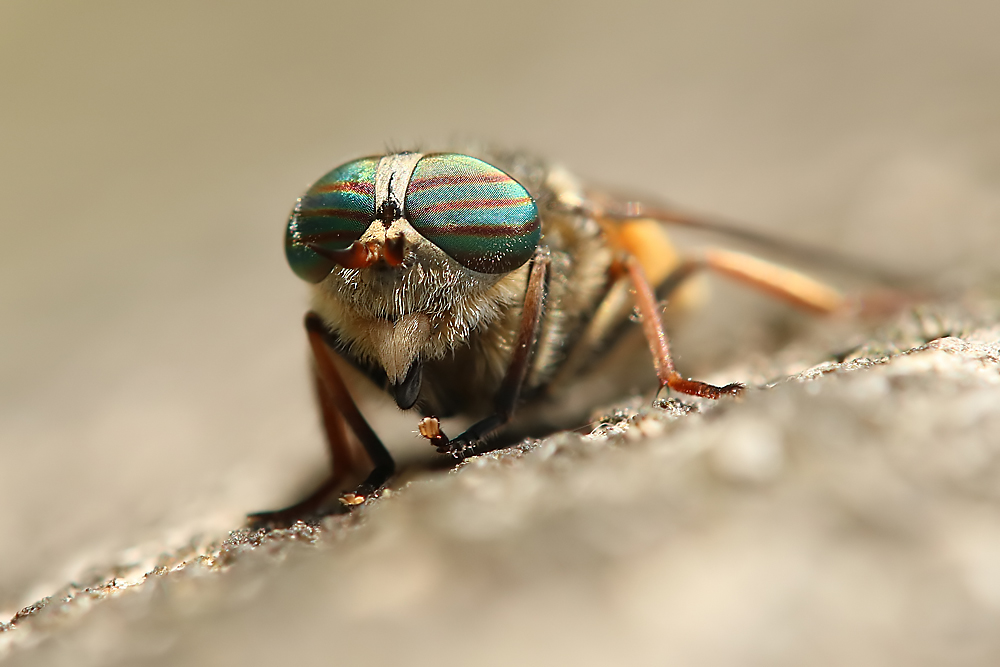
<point>427,281</point>
<point>422,308</point>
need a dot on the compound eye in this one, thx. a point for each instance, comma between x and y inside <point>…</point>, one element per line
<point>330,216</point>
<point>478,215</point>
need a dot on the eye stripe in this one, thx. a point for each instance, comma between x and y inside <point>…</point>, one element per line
<point>349,214</point>
<point>472,204</point>
<point>438,181</point>
<point>485,231</point>
<point>467,189</point>
<point>355,187</point>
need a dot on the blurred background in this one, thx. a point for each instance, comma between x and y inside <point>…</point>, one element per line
<point>152,363</point>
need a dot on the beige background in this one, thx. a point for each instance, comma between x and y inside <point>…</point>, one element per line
<point>152,367</point>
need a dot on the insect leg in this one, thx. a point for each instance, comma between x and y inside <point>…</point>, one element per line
<point>510,388</point>
<point>343,459</point>
<point>779,282</point>
<point>339,411</point>
<point>346,460</point>
<point>331,381</point>
<point>652,326</point>
<point>611,313</point>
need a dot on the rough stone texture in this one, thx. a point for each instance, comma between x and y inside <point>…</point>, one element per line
<point>153,384</point>
<point>844,514</point>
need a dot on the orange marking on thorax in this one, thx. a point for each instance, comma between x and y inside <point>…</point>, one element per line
<point>647,241</point>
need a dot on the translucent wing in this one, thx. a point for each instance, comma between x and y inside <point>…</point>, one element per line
<point>613,208</point>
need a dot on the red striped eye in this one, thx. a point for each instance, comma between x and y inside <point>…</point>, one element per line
<point>477,214</point>
<point>333,214</point>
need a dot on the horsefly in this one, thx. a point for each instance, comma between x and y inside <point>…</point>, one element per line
<point>487,288</point>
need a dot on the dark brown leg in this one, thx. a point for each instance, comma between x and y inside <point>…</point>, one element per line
<point>345,458</point>
<point>652,325</point>
<point>338,410</point>
<point>308,507</point>
<point>341,399</point>
<point>510,389</point>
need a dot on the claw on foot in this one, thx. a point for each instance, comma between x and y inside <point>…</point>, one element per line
<point>351,499</point>
<point>695,388</point>
<point>430,428</point>
<point>735,389</point>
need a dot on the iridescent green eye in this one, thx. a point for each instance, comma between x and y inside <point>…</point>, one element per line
<point>481,217</point>
<point>334,213</point>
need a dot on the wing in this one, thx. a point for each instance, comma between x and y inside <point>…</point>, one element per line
<point>616,209</point>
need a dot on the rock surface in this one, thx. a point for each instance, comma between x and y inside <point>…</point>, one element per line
<point>846,513</point>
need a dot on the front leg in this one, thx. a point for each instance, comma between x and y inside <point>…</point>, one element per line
<point>465,444</point>
<point>506,397</point>
<point>328,374</point>
<point>339,412</point>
